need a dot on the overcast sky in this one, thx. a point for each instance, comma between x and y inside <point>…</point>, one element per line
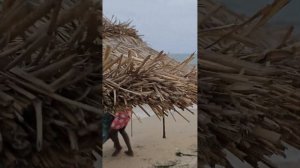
<point>169,25</point>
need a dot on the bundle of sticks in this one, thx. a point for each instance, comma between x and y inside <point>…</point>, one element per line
<point>50,76</point>
<point>249,88</point>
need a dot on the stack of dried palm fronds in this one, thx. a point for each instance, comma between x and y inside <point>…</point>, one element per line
<point>135,74</point>
<point>249,86</point>
<point>50,92</point>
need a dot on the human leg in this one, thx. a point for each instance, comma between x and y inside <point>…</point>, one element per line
<point>125,136</point>
<point>114,137</point>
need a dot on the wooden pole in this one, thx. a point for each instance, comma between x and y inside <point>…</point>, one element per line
<point>131,125</point>
<point>164,127</point>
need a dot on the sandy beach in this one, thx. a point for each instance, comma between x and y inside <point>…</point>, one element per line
<point>151,150</point>
<point>292,160</point>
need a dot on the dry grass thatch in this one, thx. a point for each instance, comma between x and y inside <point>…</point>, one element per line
<point>115,28</point>
<point>50,79</point>
<point>135,74</point>
<point>135,82</point>
<point>249,84</point>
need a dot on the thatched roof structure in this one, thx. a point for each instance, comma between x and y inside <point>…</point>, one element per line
<point>249,100</point>
<point>50,81</point>
<point>122,37</point>
<point>136,74</point>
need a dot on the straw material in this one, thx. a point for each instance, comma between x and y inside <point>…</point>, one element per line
<point>50,81</point>
<point>135,74</point>
<point>136,82</point>
<point>50,96</point>
<point>249,84</point>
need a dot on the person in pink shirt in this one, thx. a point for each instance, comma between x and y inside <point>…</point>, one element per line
<point>122,117</point>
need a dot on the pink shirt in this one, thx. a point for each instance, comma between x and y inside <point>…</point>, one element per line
<point>121,119</point>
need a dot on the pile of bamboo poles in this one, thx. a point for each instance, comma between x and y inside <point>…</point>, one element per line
<point>50,76</point>
<point>249,99</point>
